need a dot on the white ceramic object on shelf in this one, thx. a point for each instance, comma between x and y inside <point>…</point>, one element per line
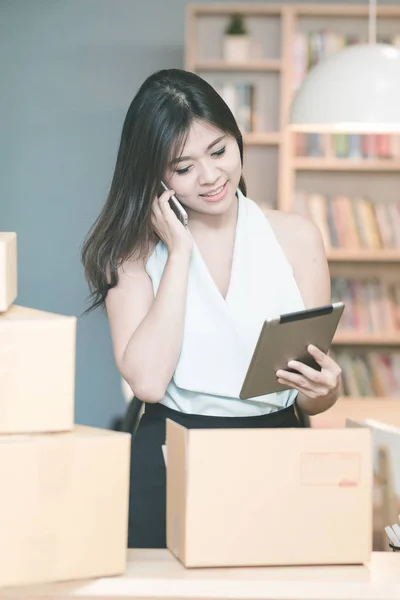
<point>236,48</point>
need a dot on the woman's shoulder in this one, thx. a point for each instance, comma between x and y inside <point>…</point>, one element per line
<point>134,266</point>
<point>298,236</point>
<point>291,225</point>
<point>285,224</point>
<point>301,242</point>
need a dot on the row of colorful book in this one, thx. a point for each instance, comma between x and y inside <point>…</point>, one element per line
<point>369,374</point>
<point>349,146</point>
<point>372,305</point>
<point>351,222</point>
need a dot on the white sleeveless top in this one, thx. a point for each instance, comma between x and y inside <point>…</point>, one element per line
<point>220,335</point>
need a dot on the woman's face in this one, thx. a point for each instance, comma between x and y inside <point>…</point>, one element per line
<point>206,175</point>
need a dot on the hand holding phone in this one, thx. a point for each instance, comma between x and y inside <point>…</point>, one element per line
<point>177,207</point>
<point>169,229</point>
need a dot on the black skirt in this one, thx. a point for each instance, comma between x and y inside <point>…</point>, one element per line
<point>147,496</point>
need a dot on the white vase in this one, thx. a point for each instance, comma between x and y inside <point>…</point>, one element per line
<point>236,48</point>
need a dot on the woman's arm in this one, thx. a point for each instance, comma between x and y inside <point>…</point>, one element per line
<point>147,332</point>
<point>302,243</point>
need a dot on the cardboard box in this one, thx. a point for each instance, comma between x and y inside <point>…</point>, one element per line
<point>248,497</point>
<point>63,505</point>
<point>37,371</point>
<point>386,477</point>
<point>8,269</point>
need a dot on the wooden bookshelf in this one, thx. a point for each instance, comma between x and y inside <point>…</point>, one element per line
<point>366,339</point>
<point>220,65</point>
<point>359,408</point>
<point>364,256</point>
<point>262,139</point>
<point>345,164</point>
<point>270,150</point>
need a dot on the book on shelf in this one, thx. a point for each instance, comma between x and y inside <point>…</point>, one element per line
<point>369,374</point>
<point>350,146</point>
<point>239,96</point>
<point>352,223</point>
<point>372,305</point>
<point>312,47</point>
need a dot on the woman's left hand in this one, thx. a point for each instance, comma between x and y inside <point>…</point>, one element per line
<point>323,385</point>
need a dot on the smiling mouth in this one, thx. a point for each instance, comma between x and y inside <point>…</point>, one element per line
<point>215,192</point>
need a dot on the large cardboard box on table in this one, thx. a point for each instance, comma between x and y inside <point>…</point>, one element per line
<point>8,269</point>
<point>37,371</point>
<point>248,497</point>
<point>63,505</point>
<point>386,477</point>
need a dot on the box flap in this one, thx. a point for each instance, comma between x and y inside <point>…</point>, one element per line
<point>176,442</point>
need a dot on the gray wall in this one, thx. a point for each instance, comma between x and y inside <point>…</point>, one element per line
<point>69,69</point>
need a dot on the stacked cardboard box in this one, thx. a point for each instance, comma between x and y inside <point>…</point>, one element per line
<point>8,270</point>
<point>64,488</point>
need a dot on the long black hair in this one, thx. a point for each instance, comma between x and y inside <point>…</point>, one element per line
<point>154,131</point>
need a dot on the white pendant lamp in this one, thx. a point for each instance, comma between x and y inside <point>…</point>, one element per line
<point>355,90</point>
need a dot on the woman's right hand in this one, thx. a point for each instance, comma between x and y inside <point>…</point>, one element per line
<point>169,229</point>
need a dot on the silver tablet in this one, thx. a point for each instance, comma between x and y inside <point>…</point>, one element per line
<point>286,338</point>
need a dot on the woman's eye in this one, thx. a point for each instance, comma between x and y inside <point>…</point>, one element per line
<point>182,171</point>
<point>186,169</point>
<point>219,152</point>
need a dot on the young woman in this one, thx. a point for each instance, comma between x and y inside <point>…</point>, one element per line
<point>185,305</point>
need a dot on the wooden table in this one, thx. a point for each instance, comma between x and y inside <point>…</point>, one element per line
<point>157,574</point>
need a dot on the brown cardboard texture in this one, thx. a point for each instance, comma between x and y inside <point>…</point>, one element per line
<point>37,371</point>
<point>8,269</point>
<point>248,497</point>
<point>63,505</point>
<point>386,477</point>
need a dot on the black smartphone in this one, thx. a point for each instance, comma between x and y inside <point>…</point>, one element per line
<point>177,207</point>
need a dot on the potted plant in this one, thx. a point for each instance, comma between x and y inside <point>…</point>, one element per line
<point>236,47</point>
